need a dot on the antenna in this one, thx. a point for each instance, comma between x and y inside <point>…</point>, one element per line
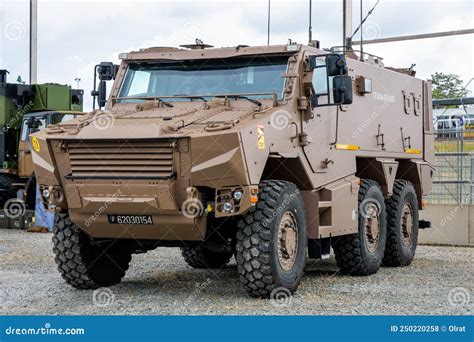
<point>346,24</point>
<point>310,29</point>
<point>268,24</point>
<point>33,41</point>
<point>361,33</point>
<point>362,21</point>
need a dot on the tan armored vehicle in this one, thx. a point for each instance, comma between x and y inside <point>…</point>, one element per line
<point>270,154</point>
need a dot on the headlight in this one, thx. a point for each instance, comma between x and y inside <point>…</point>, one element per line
<point>46,193</point>
<point>228,207</point>
<point>237,195</point>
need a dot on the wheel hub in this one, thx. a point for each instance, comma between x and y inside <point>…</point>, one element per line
<point>372,227</point>
<point>287,241</point>
<point>406,224</point>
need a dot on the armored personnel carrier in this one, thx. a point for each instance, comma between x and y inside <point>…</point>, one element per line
<point>271,154</point>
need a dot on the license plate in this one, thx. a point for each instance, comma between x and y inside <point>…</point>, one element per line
<point>130,219</point>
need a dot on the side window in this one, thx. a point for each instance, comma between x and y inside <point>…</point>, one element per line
<point>322,84</point>
<point>320,81</point>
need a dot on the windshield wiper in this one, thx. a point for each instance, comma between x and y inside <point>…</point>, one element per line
<point>166,103</point>
<point>235,96</point>
<point>185,96</point>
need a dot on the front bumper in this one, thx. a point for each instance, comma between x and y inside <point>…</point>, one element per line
<point>172,227</point>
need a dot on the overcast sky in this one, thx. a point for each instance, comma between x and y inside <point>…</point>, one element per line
<point>75,35</point>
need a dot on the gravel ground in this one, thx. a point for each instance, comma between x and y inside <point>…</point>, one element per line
<point>160,282</point>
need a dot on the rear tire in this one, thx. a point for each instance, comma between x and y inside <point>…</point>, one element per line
<point>361,254</point>
<point>83,264</point>
<point>6,188</point>
<point>271,241</point>
<point>199,257</point>
<point>30,189</point>
<point>402,225</point>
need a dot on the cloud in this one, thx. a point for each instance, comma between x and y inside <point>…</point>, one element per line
<point>76,35</point>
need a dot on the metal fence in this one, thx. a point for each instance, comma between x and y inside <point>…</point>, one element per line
<point>454,158</point>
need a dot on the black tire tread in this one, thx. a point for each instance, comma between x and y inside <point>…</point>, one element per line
<point>68,241</point>
<point>347,248</point>
<point>6,185</point>
<point>199,257</point>
<point>393,256</point>
<point>253,241</point>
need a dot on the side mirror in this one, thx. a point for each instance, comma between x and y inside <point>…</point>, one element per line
<point>336,65</point>
<point>102,94</point>
<point>330,73</point>
<point>106,72</point>
<point>342,90</point>
<point>33,123</point>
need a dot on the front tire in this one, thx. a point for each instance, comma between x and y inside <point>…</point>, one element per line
<point>402,226</point>
<point>271,241</point>
<point>361,254</point>
<point>199,257</point>
<point>83,264</point>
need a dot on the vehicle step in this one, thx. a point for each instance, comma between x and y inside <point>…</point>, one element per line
<point>325,204</point>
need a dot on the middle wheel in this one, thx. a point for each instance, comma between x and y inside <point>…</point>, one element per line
<point>271,240</point>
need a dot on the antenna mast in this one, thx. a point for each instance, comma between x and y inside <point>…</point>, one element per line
<point>310,33</point>
<point>268,24</point>
<point>347,23</point>
<point>33,60</point>
<point>361,33</point>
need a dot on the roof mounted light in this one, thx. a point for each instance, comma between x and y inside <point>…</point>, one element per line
<point>292,46</point>
<point>198,45</point>
<point>123,55</point>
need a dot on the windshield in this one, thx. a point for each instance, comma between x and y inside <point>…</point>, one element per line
<point>257,75</point>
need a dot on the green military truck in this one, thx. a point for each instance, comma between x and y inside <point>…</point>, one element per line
<point>25,109</point>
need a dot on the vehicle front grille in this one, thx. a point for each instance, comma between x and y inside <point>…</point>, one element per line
<point>126,159</point>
